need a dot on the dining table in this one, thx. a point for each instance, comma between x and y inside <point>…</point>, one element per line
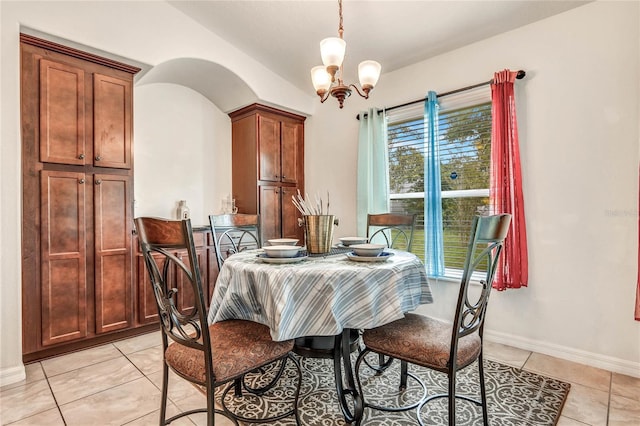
<point>316,297</point>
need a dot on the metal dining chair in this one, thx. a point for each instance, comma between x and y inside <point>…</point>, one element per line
<point>233,233</point>
<point>443,346</point>
<point>394,230</point>
<point>208,356</point>
<point>391,229</point>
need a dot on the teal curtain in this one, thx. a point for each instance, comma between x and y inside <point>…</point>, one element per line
<point>433,244</point>
<point>373,168</point>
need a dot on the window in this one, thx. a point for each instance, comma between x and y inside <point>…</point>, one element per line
<point>464,142</point>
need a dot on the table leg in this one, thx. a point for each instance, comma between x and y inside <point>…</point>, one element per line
<point>345,381</point>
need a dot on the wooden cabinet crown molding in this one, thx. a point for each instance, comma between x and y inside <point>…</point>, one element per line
<point>253,108</point>
<point>70,51</point>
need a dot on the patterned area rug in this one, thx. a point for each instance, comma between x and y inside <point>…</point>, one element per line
<point>514,397</point>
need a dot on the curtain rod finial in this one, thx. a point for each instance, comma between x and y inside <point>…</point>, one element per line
<point>520,75</point>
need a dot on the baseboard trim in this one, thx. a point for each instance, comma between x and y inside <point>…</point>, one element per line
<point>12,375</point>
<point>616,365</point>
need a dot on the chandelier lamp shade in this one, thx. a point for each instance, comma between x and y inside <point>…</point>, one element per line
<point>328,78</point>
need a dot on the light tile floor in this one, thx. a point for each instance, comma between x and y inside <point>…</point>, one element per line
<point>119,384</point>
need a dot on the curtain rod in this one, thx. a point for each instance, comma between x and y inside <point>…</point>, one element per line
<point>520,75</point>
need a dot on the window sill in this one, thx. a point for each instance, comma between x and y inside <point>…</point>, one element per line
<point>455,276</point>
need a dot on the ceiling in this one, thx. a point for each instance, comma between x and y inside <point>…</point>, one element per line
<point>284,35</point>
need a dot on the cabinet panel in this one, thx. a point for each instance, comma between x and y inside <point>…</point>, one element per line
<point>111,121</point>
<point>270,224</point>
<point>291,134</point>
<point>186,297</point>
<point>112,229</point>
<point>62,113</point>
<point>290,215</point>
<point>63,252</point>
<point>269,150</point>
<point>147,309</point>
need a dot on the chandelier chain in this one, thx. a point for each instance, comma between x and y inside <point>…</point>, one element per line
<point>340,27</point>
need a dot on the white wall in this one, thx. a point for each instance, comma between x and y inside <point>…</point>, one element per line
<point>182,150</point>
<point>578,117</point>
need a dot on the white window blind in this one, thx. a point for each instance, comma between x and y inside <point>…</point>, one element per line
<point>464,143</point>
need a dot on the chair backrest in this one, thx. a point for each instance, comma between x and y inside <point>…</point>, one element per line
<point>393,230</point>
<point>233,233</point>
<point>483,252</point>
<point>163,243</point>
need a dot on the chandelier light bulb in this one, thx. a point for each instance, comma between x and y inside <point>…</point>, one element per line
<point>321,79</point>
<point>332,50</point>
<point>368,74</point>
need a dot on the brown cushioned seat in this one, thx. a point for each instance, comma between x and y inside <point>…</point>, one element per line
<point>421,340</point>
<point>237,347</point>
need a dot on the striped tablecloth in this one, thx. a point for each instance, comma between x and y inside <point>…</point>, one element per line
<point>318,296</point>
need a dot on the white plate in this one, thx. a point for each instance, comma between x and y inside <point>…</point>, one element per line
<point>381,258</point>
<point>348,241</point>
<point>280,260</point>
<point>283,241</point>
<point>281,251</point>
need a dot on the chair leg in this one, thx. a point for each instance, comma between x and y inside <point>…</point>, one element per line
<point>452,398</point>
<point>483,390</point>
<point>404,372</point>
<point>165,391</point>
<point>211,407</point>
<point>237,386</point>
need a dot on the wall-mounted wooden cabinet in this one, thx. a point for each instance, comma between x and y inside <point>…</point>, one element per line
<point>268,167</point>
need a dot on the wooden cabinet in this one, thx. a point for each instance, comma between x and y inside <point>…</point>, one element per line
<point>205,251</point>
<point>77,199</point>
<point>268,167</point>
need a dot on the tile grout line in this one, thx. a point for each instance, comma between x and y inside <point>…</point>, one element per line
<point>53,395</point>
<point>609,400</point>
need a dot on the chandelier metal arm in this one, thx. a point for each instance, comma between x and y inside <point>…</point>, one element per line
<point>364,89</point>
<point>324,96</point>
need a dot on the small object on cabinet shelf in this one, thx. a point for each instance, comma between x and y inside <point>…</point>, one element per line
<point>229,205</point>
<point>183,210</point>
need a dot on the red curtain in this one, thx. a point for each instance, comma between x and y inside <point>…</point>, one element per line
<point>638,288</point>
<point>506,182</point>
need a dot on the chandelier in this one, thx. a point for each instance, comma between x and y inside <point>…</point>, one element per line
<point>327,78</point>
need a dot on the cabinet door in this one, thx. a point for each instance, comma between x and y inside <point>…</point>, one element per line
<point>269,149</point>
<point>112,231</point>
<point>62,113</point>
<point>270,216</point>
<point>186,297</point>
<point>147,305</point>
<point>111,122</point>
<point>63,250</point>
<point>290,215</point>
<point>291,134</point>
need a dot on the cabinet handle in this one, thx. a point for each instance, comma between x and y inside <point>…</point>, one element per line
<point>81,157</point>
<point>284,177</point>
<point>98,181</point>
<point>98,158</point>
<point>80,180</point>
